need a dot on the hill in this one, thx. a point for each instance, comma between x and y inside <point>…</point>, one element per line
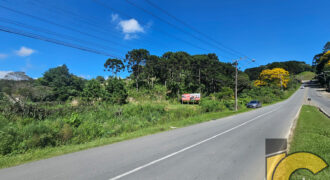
<point>305,75</point>
<point>15,76</point>
<point>294,67</point>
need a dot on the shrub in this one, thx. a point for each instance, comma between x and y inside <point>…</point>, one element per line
<point>93,90</point>
<point>115,91</point>
<point>225,93</point>
<point>39,134</point>
<point>74,120</point>
<point>7,140</point>
<point>211,105</point>
<point>66,133</point>
<point>229,104</point>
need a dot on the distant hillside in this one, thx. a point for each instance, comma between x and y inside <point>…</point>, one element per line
<point>16,76</point>
<point>294,67</point>
<point>305,75</point>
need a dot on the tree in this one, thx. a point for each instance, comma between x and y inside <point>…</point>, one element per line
<point>253,73</point>
<point>114,65</point>
<point>136,59</point>
<point>321,63</point>
<point>64,83</point>
<point>276,76</point>
<point>115,91</point>
<point>243,82</point>
<point>224,93</point>
<point>151,69</point>
<point>326,47</point>
<point>323,69</point>
<point>93,90</point>
<point>293,67</point>
<point>100,79</point>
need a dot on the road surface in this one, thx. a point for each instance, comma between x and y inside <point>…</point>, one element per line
<point>227,148</point>
<point>318,99</point>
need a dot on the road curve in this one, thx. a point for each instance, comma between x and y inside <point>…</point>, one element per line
<point>318,99</point>
<point>227,148</point>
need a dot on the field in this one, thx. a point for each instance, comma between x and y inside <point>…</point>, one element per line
<point>307,75</point>
<point>312,135</point>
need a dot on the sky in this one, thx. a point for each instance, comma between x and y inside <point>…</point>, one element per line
<point>264,30</point>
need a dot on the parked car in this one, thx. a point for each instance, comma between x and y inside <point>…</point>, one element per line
<point>254,104</point>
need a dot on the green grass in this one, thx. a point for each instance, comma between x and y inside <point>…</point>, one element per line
<point>307,75</point>
<point>37,154</point>
<point>174,119</point>
<point>312,134</point>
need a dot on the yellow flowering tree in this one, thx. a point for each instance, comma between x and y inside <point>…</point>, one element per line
<point>277,76</point>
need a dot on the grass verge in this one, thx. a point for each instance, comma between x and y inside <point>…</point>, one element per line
<point>312,134</point>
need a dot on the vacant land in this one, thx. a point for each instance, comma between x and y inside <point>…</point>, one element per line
<point>312,134</point>
<point>83,127</point>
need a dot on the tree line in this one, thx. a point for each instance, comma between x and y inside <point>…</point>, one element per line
<point>293,67</point>
<point>177,72</point>
<point>321,65</point>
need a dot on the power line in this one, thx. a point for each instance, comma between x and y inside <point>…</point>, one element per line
<point>191,27</point>
<point>34,28</point>
<point>54,41</point>
<point>104,5</point>
<point>90,20</point>
<point>60,25</point>
<point>84,19</point>
<point>180,29</point>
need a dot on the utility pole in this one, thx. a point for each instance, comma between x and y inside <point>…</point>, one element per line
<point>236,77</point>
<point>236,74</point>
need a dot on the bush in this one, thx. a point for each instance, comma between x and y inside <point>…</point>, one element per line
<point>66,133</point>
<point>225,93</point>
<point>74,120</point>
<point>229,104</point>
<point>7,142</point>
<point>39,134</point>
<point>115,91</point>
<point>93,90</point>
<point>211,105</point>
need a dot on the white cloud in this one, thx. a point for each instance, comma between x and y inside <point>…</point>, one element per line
<point>114,17</point>
<point>24,51</point>
<point>130,36</point>
<point>3,56</point>
<point>130,26</point>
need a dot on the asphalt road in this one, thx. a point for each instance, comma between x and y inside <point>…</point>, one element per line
<point>227,148</point>
<point>318,99</point>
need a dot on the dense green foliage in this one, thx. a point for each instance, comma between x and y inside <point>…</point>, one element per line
<point>63,109</point>
<point>321,63</point>
<point>180,72</point>
<point>21,133</point>
<point>294,67</point>
<point>63,83</point>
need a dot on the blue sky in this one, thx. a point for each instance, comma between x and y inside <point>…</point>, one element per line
<point>266,30</point>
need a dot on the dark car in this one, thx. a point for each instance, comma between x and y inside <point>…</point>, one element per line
<point>254,104</point>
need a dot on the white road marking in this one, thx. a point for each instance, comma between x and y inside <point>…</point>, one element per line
<point>189,147</point>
